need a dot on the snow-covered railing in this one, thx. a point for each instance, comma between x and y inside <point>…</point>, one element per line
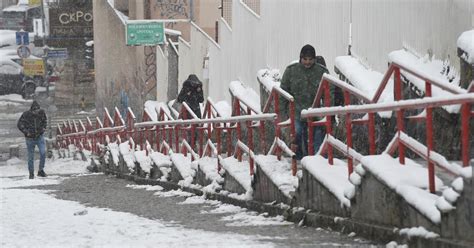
<point>277,146</point>
<point>465,99</point>
<point>161,129</point>
<point>274,100</point>
<point>241,148</point>
<point>210,150</point>
<point>185,148</point>
<point>394,69</point>
<point>351,154</point>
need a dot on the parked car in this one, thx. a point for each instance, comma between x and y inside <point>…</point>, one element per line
<point>20,16</point>
<point>12,79</point>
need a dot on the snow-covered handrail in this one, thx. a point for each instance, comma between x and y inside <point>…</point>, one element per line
<point>278,145</point>
<point>232,119</point>
<point>185,148</point>
<point>107,129</point>
<point>389,106</point>
<point>344,86</point>
<point>431,156</point>
<point>239,147</point>
<point>426,77</point>
<point>165,148</point>
<point>346,150</point>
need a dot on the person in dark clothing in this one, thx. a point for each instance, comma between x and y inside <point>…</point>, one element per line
<point>191,93</point>
<point>302,80</point>
<point>32,124</point>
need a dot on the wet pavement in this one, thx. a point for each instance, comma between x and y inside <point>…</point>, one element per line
<point>105,191</point>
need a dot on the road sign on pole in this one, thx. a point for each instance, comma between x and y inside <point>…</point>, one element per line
<point>22,38</point>
<point>145,33</point>
<point>57,53</point>
<point>33,67</point>
<point>23,52</point>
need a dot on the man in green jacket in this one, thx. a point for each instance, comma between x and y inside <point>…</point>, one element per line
<point>302,80</point>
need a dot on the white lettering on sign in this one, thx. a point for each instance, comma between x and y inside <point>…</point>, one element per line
<point>66,18</point>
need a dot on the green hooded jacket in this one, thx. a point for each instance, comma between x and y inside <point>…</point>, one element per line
<point>302,83</point>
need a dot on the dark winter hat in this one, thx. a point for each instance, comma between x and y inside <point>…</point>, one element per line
<point>308,51</point>
<point>35,105</point>
<point>194,79</point>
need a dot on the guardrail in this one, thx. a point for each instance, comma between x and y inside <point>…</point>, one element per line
<point>394,69</point>
<point>166,130</point>
<point>465,99</point>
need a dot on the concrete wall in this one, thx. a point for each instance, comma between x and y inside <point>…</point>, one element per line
<point>119,69</point>
<point>376,203</point>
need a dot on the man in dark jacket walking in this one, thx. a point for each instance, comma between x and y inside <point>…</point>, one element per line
<point>32,124</point>
<point>191,93</point>
<point>302,80</point>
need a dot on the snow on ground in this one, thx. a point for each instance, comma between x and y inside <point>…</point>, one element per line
<point>14,116</point>
<point>9,104</point>
<point>33,217</point>
<point>239,216</point>
<point>18,167</point>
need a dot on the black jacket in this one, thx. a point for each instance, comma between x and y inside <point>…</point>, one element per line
<point>32,123</point>
<point>191,93</point>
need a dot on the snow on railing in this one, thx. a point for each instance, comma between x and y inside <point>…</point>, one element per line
<point>240,148</point>
<point>279,145</point>
<point>402,105</point>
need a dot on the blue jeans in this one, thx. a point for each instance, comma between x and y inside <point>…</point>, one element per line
<point>30,145</point>
<point>301,139</point>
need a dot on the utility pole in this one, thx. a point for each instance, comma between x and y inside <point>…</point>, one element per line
<point>45,49</point>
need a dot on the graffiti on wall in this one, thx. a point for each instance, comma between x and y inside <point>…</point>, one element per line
<point>150,68</point>
<point>172,9</point>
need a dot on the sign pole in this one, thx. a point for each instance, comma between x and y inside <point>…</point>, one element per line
<point>46,80</point>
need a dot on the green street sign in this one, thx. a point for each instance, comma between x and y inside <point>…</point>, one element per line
<point>145,33</point>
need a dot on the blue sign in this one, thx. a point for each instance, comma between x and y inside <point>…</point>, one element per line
<point>22,38</point>
<point>58,53</point>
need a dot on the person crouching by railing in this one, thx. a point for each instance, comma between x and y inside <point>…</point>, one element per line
<point>191,93</point>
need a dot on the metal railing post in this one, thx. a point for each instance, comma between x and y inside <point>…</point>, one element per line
<point>400,125</point>
<point>371,127</point>
<point>347,100</point>
<point>327,103</point>
<point>465,132</point>
<point>429,140</point>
